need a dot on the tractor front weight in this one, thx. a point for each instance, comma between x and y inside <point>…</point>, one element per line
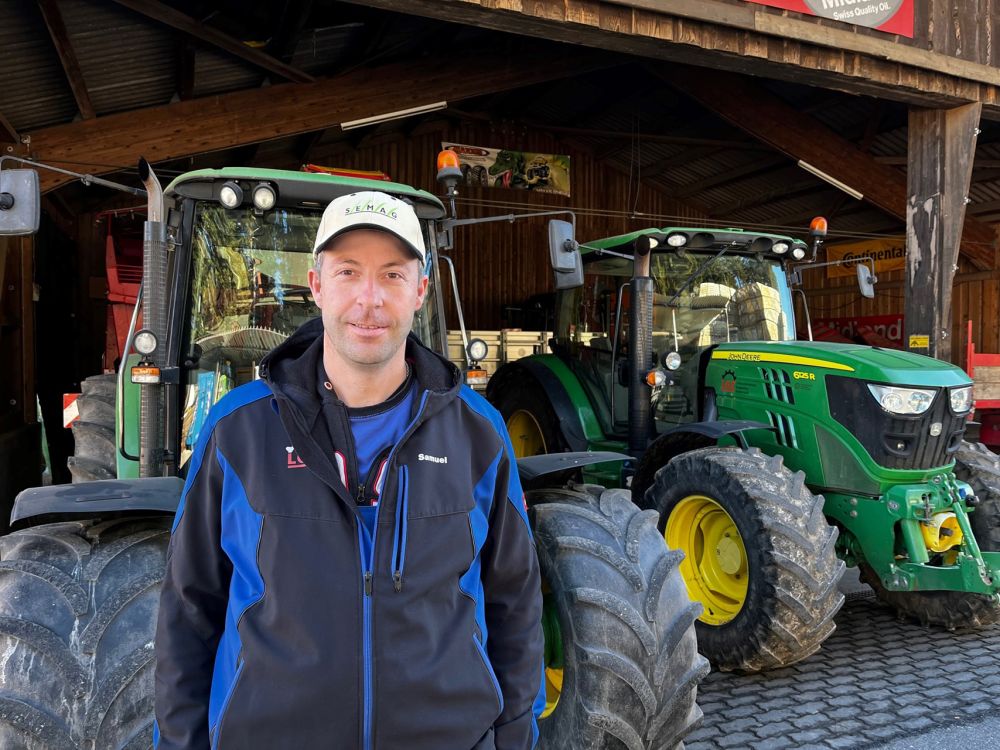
<point>917,537</point>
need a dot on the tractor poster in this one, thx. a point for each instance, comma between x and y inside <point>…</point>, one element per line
<point>507,168</point>
<point>888,255</point>
<point>888,16</point>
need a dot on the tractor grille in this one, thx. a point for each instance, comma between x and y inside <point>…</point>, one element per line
<point>777,385</point>
<point>895,442</point>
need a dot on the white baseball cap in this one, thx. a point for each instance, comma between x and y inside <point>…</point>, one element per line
<point>371,210</point>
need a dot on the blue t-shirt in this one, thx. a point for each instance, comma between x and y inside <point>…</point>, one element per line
<point>376,430</point>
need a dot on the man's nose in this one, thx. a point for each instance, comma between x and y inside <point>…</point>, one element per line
<point>371,293</point>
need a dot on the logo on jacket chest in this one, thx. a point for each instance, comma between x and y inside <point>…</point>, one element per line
<point>294,462</point>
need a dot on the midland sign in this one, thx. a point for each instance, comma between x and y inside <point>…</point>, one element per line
<point>889,16</point>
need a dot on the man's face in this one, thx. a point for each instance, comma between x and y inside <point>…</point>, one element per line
<point>368,288</point>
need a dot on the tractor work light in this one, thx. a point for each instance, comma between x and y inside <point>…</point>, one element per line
<point>478,349</point>
<point>672,360</point>
<point>677,239</point>
<point>907,402</point>
<point>798,253</point>
<point>264,197</point>
<point>961,399</point>
<point>145,342</point>
<point>780,248</point>
<point>230,195</point>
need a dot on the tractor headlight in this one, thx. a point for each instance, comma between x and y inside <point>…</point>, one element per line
<point>230,195</point>
<point>677,239</point>
<point>799,253</point>
<point>902,401</point>
<point>264,197</point>
<point>478,349</point>
<point>672,360</point>
<point>961,399</point>
<point>145,342</point>
<point>780,248</point>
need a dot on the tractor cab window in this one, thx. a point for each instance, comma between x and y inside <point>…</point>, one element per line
<point>734,298</point>
<point>249,292</point>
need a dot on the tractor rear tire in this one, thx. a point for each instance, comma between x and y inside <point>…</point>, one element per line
<point>760,555</point>
<point>94,435</point>
<point>957,610</point>
<point>631,667</point>
<point>78,603</point>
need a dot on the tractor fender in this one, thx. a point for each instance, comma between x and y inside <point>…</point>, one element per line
<point>93,499</point>
<point>681,439</point>
<point>568,413</point>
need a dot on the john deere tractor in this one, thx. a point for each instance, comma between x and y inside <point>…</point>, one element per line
<point>226,257</point>
<point>772,462</point>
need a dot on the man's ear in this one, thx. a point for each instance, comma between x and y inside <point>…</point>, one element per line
<point>315,287</point>
<point>421,291</point>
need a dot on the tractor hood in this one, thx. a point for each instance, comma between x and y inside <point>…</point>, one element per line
<point>852,360</point>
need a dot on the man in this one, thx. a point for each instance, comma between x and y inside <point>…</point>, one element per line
<point>351,564</point>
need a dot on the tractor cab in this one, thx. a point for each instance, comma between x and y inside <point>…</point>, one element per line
<point>241,250</point>
<point>711,287</point>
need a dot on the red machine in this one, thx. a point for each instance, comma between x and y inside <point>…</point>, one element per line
<point>984,369</point>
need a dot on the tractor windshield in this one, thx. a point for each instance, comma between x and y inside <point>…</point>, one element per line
<point>732,298</point>
<point>249,292</point>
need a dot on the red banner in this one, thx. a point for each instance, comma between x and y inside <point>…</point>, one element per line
<point>889,16</point>
<point>874,330</point>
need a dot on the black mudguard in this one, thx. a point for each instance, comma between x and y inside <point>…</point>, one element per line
<point>154,494</point>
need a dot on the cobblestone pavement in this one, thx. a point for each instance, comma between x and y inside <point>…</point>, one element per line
<point>875,679</point>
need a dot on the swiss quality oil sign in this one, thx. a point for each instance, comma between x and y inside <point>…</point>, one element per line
<point>890,16</point>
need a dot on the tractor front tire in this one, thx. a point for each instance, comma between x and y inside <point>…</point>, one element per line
<point>957,610</point>
<point>78,603</point>
<point>629,667</point>
<point>759,555</point>
<point>94,434</point>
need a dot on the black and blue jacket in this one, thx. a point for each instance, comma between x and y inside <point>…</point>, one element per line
<point>275,632</point>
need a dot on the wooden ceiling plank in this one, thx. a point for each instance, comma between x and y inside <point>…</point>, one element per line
<point>187,128</point>
<point>732,175</point>
<point>67,56</point>
<point>7,132</point>
<point>771,121</point>
<point>166,15</point>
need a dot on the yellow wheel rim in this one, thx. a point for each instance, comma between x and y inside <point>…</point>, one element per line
<point>715,567</point>
<point>553,689</point>
<point>525,434</point>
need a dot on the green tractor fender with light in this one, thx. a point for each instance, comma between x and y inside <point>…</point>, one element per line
<point>225,259</point>
<point>773,463</point>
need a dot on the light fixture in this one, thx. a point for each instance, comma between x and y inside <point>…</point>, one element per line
<point>230,195</point>
<point>145,342</point>
<point>264,197</point>
<point>856,194</point>
<point>399,114</point>
<point>780,247</point>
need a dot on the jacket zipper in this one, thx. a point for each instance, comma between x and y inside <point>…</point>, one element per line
<point>399,532</point>
<point>225,706</point>
<point>369,588</point>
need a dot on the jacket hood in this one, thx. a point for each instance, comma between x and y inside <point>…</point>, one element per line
<point>290,368</point>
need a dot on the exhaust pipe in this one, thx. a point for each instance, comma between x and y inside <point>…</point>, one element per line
<point>640,344</point>
<point>154,318</point>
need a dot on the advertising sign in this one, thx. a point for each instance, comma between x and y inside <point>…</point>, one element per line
<point>507,168</point>
<point>889,255</point>
<point>887,326</point>
<point>889,16</point>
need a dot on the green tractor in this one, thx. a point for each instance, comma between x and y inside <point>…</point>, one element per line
<point>773,463</point>
<point>225,260</point>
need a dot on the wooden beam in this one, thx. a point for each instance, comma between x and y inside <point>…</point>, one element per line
<point>7,132</point>
<point>741,38</point>
<point>941,146</point>
<point>216,123</point>
<point>67,56</point>
<point>772,121</point>
<point>168,16</point>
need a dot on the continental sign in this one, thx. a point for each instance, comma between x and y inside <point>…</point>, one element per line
<point>889,16</point>
<point>889,255</point>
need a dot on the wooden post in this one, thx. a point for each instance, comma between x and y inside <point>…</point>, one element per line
<point>942,144</point>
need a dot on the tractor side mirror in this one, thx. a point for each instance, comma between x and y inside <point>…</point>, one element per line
<point>20,201</point>
<point>866,280</point>
<point>564,253</point>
